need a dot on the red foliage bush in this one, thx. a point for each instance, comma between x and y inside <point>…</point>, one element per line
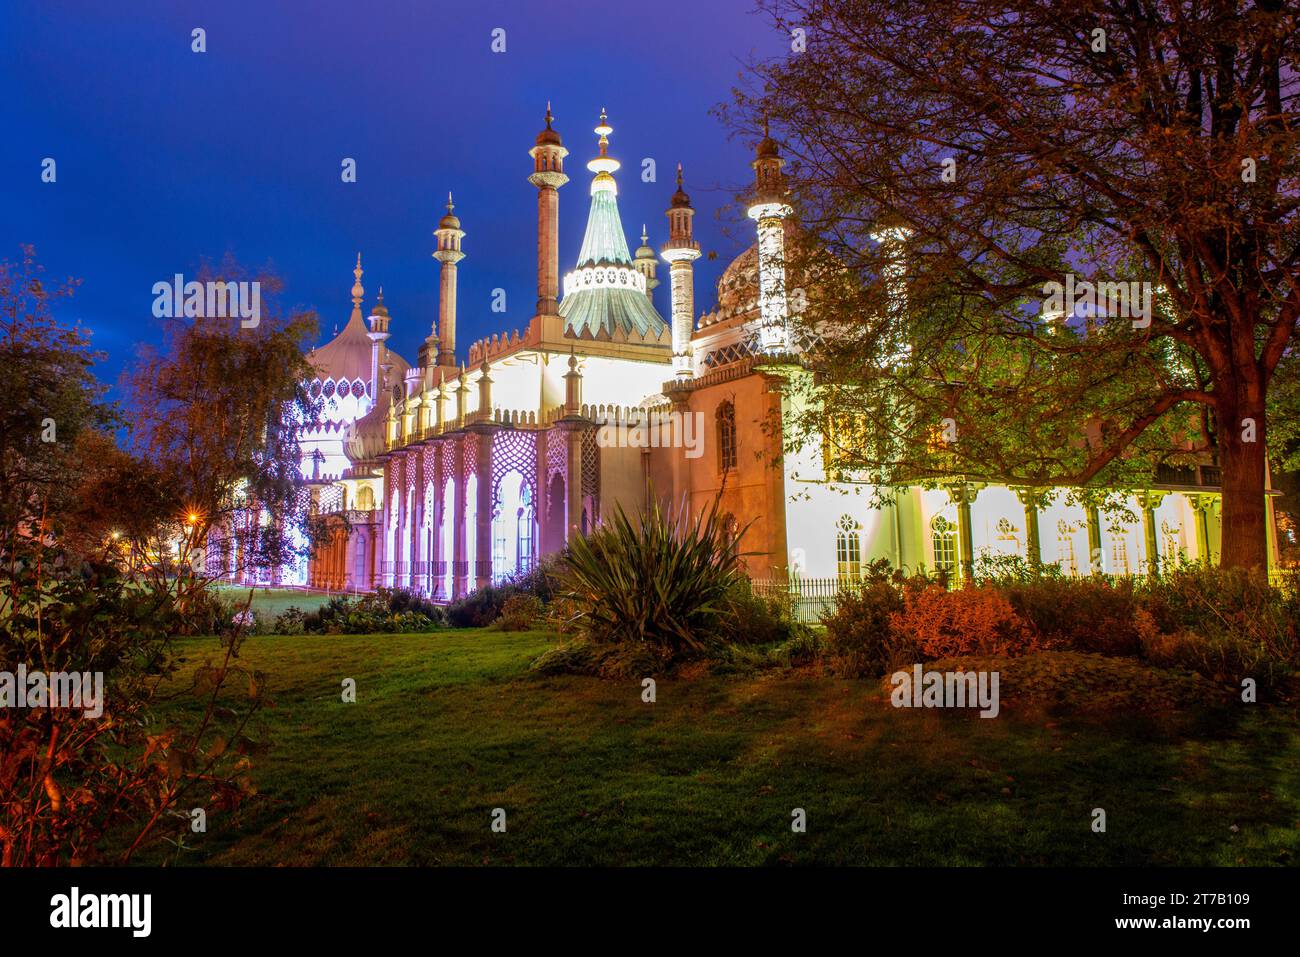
<point>967,621</point>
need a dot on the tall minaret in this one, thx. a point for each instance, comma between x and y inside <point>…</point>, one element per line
<point>548,176</point>
<point>680,252</point>
<point>770,210</point>
<point>646,264</point>
<point>378,333</point>
<point>449,235</point>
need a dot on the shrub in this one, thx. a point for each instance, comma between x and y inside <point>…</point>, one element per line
<point>73,783</point>
<point>755,619</point>
<point>291,621</point>
<point>969,621</point>
<point>1085,614</point>
<point>601,660</point>
<point>860,636</point>
<point>519,612</point>
<point>483,606</point>
<point>205,611</point>
<point>1225,624</point>
<point>479,608</point>
<point>400,601</point>
<point>384,612</point>
<point>663,580</point>
<point>1081,682</point>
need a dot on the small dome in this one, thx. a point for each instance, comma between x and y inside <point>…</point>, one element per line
<point>680,199</point>
<point>767,148</point>
<point>739,282</point>
<point>548,136</point>
<point>450,220</point>
<point>347,355</point>
<point>366,438</point>
<point>645,250</point>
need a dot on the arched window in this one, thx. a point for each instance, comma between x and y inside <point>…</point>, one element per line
<point>524,530</point>
<point>848,550</point>
<point>1171,539</point>
<point>726,416</point>
<point>1065,548</point>
<point>1119,555</point>
<point>943,542</point>
<point>366,498</point>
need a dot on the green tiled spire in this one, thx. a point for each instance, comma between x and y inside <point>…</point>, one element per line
<point>608,296</point>
<point>604,241</point>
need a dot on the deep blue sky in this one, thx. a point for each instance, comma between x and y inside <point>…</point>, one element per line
<point>167,158</point>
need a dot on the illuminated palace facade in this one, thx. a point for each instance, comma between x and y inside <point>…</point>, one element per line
<point>456,471</point>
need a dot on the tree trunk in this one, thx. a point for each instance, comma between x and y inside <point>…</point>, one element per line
<point>1242,457</point>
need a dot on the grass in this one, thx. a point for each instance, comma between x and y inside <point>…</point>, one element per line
<point>448,726</point>
<point>270,602</point>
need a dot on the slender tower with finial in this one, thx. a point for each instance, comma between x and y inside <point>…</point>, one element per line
<point>680,252</point>
<point>548,176</point>
<point>770,210</point>
<point>378,334</point>
<point>646,264</point>
<point>448,253</point>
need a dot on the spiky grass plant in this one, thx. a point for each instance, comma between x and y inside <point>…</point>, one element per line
<point>662,579</point>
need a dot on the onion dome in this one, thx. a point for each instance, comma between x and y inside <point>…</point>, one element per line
<point>451,220</point>
<point>738,285</point>
<point>346,357</point>
<point>767,148</point>
<point>606,294</point>
<point>680,199</point>
<point>645,250</point>
<point>548,136</point>
<point>366,438</point>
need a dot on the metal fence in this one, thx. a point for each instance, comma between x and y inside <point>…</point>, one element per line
<point>809,598</point>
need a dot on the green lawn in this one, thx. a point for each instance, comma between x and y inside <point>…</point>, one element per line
<point>448,726</point>
<point>269,602</point>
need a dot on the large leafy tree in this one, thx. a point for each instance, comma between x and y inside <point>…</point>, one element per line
<point>216,411</point>
<point>70,778</point>
<point>982,149</point>
<point>52,400</point>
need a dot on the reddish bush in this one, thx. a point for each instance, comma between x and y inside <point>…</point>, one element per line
<point>968,621</point>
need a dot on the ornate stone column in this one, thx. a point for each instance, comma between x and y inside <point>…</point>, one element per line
<point>541,493</point>
<point>1092,501</point>
<point>460,563</point>
<point>1201,507</point>
<point>1033,499</point>
<point>436,569</point>
<point>483,512</point>
<point>1149,502</point>
<point>963,495</point>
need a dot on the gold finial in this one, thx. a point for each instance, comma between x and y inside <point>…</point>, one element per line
<point>679,175</point>
<point>603,132</point>
<point>450,204</point>
<point>645,237</point>
<point>357,289</point>
<point>548,114</point>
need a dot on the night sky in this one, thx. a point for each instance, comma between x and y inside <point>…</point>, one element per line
<point>168,158</point>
